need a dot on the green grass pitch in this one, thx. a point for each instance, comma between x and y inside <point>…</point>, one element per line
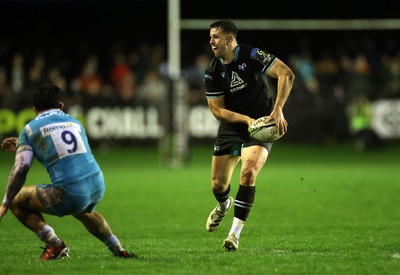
<point>318,210</point>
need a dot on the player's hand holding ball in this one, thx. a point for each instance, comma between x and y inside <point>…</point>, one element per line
<point>265,131</point>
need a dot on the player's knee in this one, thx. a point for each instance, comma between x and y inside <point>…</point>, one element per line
<point>17,205</point>
<point>219,185</point>
<point>248,176</point>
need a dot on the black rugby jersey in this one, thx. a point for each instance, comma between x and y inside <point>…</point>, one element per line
<point>241,81</point>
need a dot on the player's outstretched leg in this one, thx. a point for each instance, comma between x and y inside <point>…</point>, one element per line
<point>217,214</point>
<point>98,227</point>
<point>27,208</point>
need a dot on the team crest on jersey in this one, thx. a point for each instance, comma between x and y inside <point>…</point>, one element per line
<point>242,67</point>
<point>237,83</point>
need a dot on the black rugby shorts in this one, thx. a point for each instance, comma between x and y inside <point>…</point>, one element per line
<point>231,142</point>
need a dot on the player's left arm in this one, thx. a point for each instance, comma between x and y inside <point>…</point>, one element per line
<point>285,77</point>
<point>17,177</point>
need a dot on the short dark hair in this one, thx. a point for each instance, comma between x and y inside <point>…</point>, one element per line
<point>47,97</point>
<point>227,26</point>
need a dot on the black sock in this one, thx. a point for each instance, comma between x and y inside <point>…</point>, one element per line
<point>222,197</point>
<point>244,201</point>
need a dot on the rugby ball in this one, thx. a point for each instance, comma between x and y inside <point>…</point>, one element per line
<point>264,132</point>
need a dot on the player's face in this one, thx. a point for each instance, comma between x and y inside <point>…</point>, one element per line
<point>218,42</point>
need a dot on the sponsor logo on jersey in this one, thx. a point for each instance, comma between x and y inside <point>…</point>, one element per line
<point>264,57</point>
<point>48,129</point>
<point>237,83</point>
<point>50,113</point>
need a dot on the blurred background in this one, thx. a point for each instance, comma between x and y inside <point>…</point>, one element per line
<point>111,59</point>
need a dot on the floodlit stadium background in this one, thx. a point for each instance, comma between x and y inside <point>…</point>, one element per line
<point>322,207</point>
<point>117,62</point>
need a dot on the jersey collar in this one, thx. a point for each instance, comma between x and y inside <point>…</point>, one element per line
<point>236,55</point>
<point>237,52</point>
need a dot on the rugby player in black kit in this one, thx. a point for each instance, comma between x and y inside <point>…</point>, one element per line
<point>237,95</point>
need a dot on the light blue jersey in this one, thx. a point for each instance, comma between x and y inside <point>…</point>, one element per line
<point>60,143</point>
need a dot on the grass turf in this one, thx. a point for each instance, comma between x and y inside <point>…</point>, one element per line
<point>318,210</point>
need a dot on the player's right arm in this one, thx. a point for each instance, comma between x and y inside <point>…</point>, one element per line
<point>217,108</point>
<point>216,98</point>
<point>17,177</point>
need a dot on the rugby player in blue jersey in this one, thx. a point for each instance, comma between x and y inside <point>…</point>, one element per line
<point>60,143</point>
<point>237,95</point>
